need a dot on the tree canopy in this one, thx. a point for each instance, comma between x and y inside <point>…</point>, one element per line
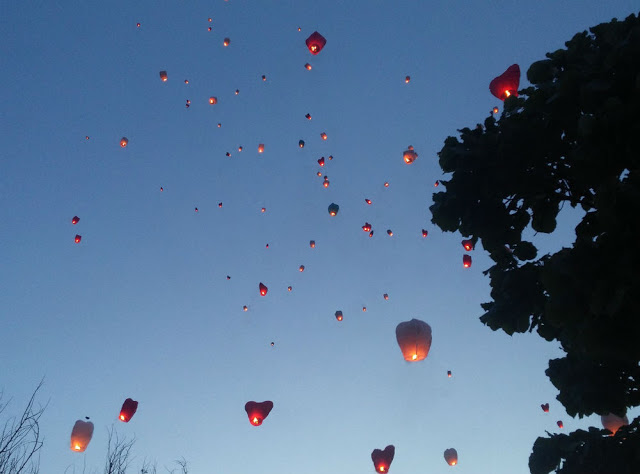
<point>572,137</point>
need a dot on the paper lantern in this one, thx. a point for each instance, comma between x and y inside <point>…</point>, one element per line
<point>263,289</point>
<point>409,156</point>
<point>258,411</point>
<point>163,76</point>
<point>186,81</point>
<point>289,288</point>
<point>312,244</point>
<point>390,232</point>
<point>382,458</point>
<point>467,244</point>
<point>315,42</point>
<point>451,456</point>
<point>321,161</point>
<point>301,143</point>
<point>366,227</point>
<point>385,296</point>
<point>226,42</point>
<point>245,309</point>
<point>77,239</point>
<point>81,435</point>
<point>466,261</point>
<point>307,67</point>
<point>449,373</point>
<point>333,209</point>
<point>368,201</point>
<point>545,407</point>
<point>560,424</point>
<point>323,135</point>
<point>264,78</point>
<point>308,116</point>
<point>613,423</point>
<point>128,409</point>
<point>325,183</point>
<point>386,184</point>
<point>424,233</point>
<point>407,79</point>
<point>260,147</point>
<point>301,268</point>
<point>495,110</point>
<point>213,100</point>
<point>75,220</point>
<point>414,339</point>
<point>124,141</point>
<point>506,84</point>
<point>339,315</point>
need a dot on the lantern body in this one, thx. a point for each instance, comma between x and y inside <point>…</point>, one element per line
<point>301,143</point>
<point>263,289</point>
<point>409,156</point>
<point>128,409</point>
<point>414,338</point>
<point>467,244</point>
<point>213,100</point>
<point>315,42</point>
<point>75,220</point>
<point>466,261</point>
<point>312,244</point>
<point>258,411</point>
<point>163,76</point>
<point>451,456</point>
<point>339,315</point>
<point>507,83</point>
<point>77,239</point>
<point>260,147</point>
<point>124,141</point>
<point>333,209</point>
<point>560,424</point>
<point>321,161</point>
<point>382,458</point>
<point>613,423</point>
<point>545,407</point>
<point>81,435</point>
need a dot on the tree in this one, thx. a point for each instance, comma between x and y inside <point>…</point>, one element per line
<point>118,453</point>
<point>569,138</point>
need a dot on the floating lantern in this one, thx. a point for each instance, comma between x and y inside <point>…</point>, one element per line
<point>301,268</point>
<point>164,76</point>
<point>301,143</point>
<point>312,244</point>
<point>260,147</point>
<point>315,42</point>
<point>613,422</point>
<point>128,409</point>
<point>467,244</point>
<point>77,239</point>
<point>506,84</point>
<point>307,67</point>
<point>333,209</point>
<point>258,411</point>
<point>321,161</point>
<point>368,201</point>
<point>451,456</point>
<point>390,232</point>
<point>424,233</point>
<point>545,407</point>
<point>339,315</point>
<point>382,458</point>
<point>226,42</point>
<point>409,155</point>
<point>75,220</point>
<point>325,183</point>
<point>366,227</point>
<point>244,308</point>
<point>308,116</point>
<point>213,100</point>
<point>323,136</point>
<point>414,338</point>
<point>385,296</point>
<point>466,261</point>
<point>495,110</point>
<point>560,424</point>
<point>407,79</point>
<point>263,290</point>
<point>124,141</point>
<point>81,435</point>
<point>449,373</point>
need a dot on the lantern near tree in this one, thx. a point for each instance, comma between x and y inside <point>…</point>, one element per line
<point>81,435</point>
<point>414,338</point>
<point>258,411</point>
<point>382,458</point>
<point>613,422</point>
<point>128,409</point>
<point>506,84</point>
<point>466,261</point>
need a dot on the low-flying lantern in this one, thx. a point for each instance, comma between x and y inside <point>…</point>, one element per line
<point>506,84</point>
<point>409,155</point>
<point>213,100</point>
<point>226,42</point>
<point>366,227</point>
<point>263,290</point>
<point>124,141</point>
<point>128,409</point>
<point>312,244</point>
<point>414,338</point>
<point>382,458</point>
<point>301,143</point>
<point>323,135</point>
<point>425,232</point>
<point>613,423</point>
<point>81,435</point>
<point>451,456</point>
<point>77,239</point>
<point>466,261</point>
<point>545,407</point>
<point>315,42</point>
<point>467,244</point>
<point>164,76</point>
<point>301,268</point>
<point>75,220</point>
<point>321,161</point>
<point>333,209</point>
<point>449,373</point>
<point>339,315</point>
<point>560,424</point>
<point>258,411</point>
<point>261,148</point>
<point>307,67</point>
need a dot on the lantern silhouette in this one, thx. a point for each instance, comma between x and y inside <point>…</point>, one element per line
<point>77,239</point>
<point>261,148</point>
<point>545,407</point>
<point>75,220</point>
<point>258,411</point>
<point>451,456</point>
<point>467,244</point>
<point>414,338</point>
<point>506,84</point>
<point>560,424</point>
<point>81,435</point>
<point>424,233</point>
<point>315,42</point>
<point>613,423</point>
<point>339,315</point>
<point>263,289</point>
<point>409,156</point>
<point>333,209</point>
<point>382,458</point>
<point>163,76</point>
<point>128,409</point>
<point>312,244</point>
<point>466,261</point>
<point>124,141</point>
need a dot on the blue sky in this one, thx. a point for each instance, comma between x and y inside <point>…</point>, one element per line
<point>142,307</point>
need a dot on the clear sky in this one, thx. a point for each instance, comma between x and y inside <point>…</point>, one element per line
<point>142,307</point>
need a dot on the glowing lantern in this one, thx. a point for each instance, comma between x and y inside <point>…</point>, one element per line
<point>368,201</point>
<point>86,137</point>
<point>124,141</point>
<point>545,407</point>
<point>319,174</point>
<point>264,78</point>
<point>228,154</point>
<point>289,288</point>
<point>451,456</point>
<point>244,308</point>
<point>386,184</point>
<point>333,209</point>
<point>466,261</point>
<point>307,67</point>
<point>263,290</point>
<point>371,234</point>
<point>613,423</point>
<point>164,76</point>
<point>299,29</point>
<point>75,220</point>
<point>414,339</point>
<point>409,155</point>
<point>213,100</point>
<point>382,458</point>
<point>219,125</point>
<point>321,161</point>
<point>209,20</point>
<point>385,296</point>
<point>366,227</point>
<point>261,148</point>
<point>424,233</point>
<point>138,25</point>
<point>264,209</point>
<point>267,246</point>
<point>437,183</point>
<point>364,309</point>
<point>330,157</point>
<point>77,239</point>
<point>495,110</point>
<point>209,29</point>
<point>301,143</point>
<point>237,91</point>
<point>220,205</point>
<point>226,42</point>
<point>161,189</point>
<point>273,344</point>
<point>196,209</point>
<point>507,83</point>
<point>128,409</point>
<point>339,315</point>
<point>560,424</point>
<point>186,81</point>
<point>449,373</point>
<point>315,42</point>
<point>301,268</point>
<point>407,79</point>
<point>390,232</point>
<point>467,244</point>
<point>81,435</point>
<point>308,116</point>
<point>240,148</point>
<point>325,183</point>
<point>312,244</point>
<point>257,412</point>
<point>323,136</point>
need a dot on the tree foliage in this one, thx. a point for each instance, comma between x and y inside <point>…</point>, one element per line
<point>572,137</point>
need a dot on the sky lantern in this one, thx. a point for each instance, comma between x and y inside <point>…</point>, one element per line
<point>128,409</point>
<point>506,83</point>
<point>301,143</point>
<point>186,81</point>
<point>261,148</point>
<point>466,261</point>
<point>258,411</point>
<point>366,227</point>
<point>409,155</point>
<point>545,407</point>
<point>385,296</point>
<point>333,209</point>
<point>407,79</point>
<point>613,423</point>
<point>315,42</point>
<point>325,183</point>
<point>289,288</point>
<point>237,91</point>
<point>386,184</point>
<point>240,148</point>
<point>312,244</point>
<point>368,201</point>
<point>321,161</point>
<point>449,373</point>
<point>301,268</point>
<point>213,100</point>
<point>163,76</point>
<point>560,424</point>
<point>467,244</point>
<point>137,25</point>
<point>245,309</point>
<point>414,339</point>
<point>263,289</point>
<point>495,110</point>
<point>81,435</point>
<point>124,141</point>
<point>389,232</point>
<point>188,104</point>
<point>77,239</point>
<point>323,135</point>
<point>451,456</point>
<point>425,232</point>
<point>75,220</point>
<point>161,189</point>
<point>364,309</point>
<point>308,116</point>
<point>307,67</point>
<point>339,315</point>
<point>382,458</point>
<point>264,209</point>
<point>196,209</point>
<point>371,234</point>
<point>436,184</point>
<point>226,42</point>
<point>264,78</point>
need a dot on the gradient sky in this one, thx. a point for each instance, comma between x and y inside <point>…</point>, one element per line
<point>142,307</point>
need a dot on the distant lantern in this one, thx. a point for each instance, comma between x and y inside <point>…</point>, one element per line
<point>315,42</point>
<point>425,232</point>
<point>466,261</point>
<point>75,220</point>
<point>81,435</point>
<point>86,137</point>
<point>196,209</point>
<point>451,456</point>
<point>301,268</point>
<point>364,309</point>
<point>289,288</point>
<point>308,116</point>
<point>264,209</point>
<point>371,234</point>
<point>267,246</point>
<point>78,239</point>
<point>124,141</point>
<point>409,155</point>
<point>138,25</point>
<point>264,78</point>
<point>319,174</point>
<point>407,79</point>
<point>209,20</point>
<point>245,309</point>
<point>390,232</point>
<point>330,157</point>
<point>240,148</point>
<point>213,100</point>
<point>385,296</point>
<point>506,84</point>
<point>228,277</point>
<point>323,135</point>
<point>495,110</point>
<point>128,409</point>
<point>325,183</point>
<point>545,407</point>
<point>414,339</point>
<point>613,423</point>
<point>219,125</point>
<point>161,189</point>
<point>228,154</point>
<point>258,411</point>
<point>368,201</point>
<point>312,244</point>
<point>366,227</point>
<point>260,147</point>
<point>386,184</point>
<point>263,289</point>
<point>449,373</point>
<point>560,424</point>
<point>186,81</point>
<point>209,29</point>
<point>382,458</point>
<point>437,183</point>
<point>467,244</point>
<point>299,29</point>
<point>339,315</point>
<point>226,42</point>
<point>308,67</point>
<point>273,343</point>
<point>301,143</point>
<point>237,91</point>
<point>164,76</point>
<point>220,205</point>
<point>321,161</point>
<point>333,209</point>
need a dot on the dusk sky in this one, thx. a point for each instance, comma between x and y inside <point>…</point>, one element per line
<point>142,306</point>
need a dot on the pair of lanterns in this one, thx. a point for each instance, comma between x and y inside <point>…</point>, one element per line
<point>82,431</point>
<point>382,458</point>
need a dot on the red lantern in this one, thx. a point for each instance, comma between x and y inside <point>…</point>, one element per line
<point>545,407</point>
<point>366,227</point>
<point>495,110</point>
<point>613,422</point>
<point>437,183</point>
<point>325,183</point>
<point>163,76</point>
<point>368,201</point>
<point>301,268</point>
<point>409,155</point>
<point>321,161</point>
<point>226,42</point>
<point>386,184</point>
<point>128,409</point>
<point>78,239</point>
<point>449,373</point>
<point>124,141</point>
<point>312,244</point>
<point>467,244</point>
<point>308,116</point>
<point>390,232</point>
<point>466,261</point>
<point>507,83</point>
<point>414,338</point>
<point>263,290</point>
<point>407,79</point>
<point>307,67</point>
<point>424,233</point>
<point>75,220</point>
<point>315,42</point>
<point>257,412</point>
<point>323,135</point>
<point>261,148</point>
<point>213,100</point>
<point>245,309</point>
<point>560,424</point>
<point>263,209</point>
<point>220,205</point>
<point>382,458</point>
<point>451,456</point>
<point>339,315</point>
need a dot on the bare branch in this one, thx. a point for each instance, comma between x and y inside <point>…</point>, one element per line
<point>118,453</point>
